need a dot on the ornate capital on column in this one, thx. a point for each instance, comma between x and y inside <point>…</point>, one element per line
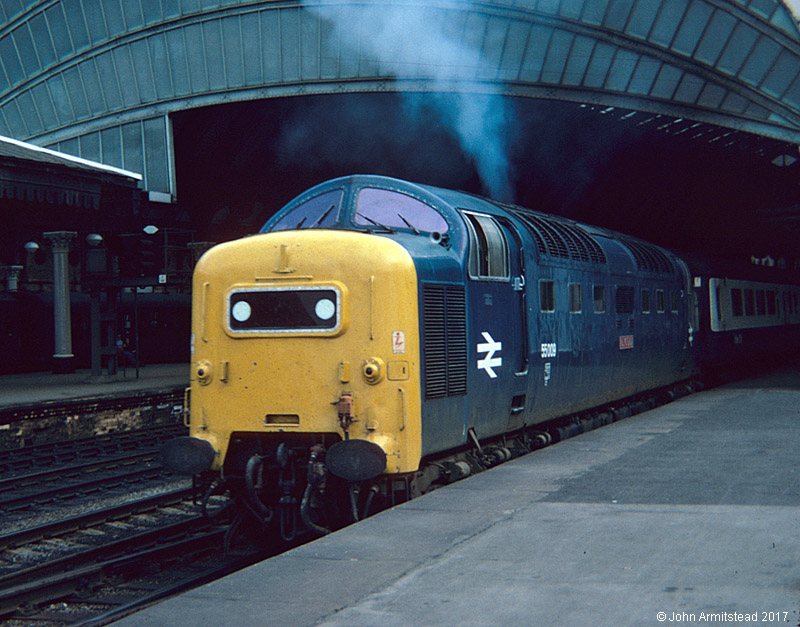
<point>60,240</point>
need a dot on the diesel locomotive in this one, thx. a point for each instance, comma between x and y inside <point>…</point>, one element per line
<point>380,337</point>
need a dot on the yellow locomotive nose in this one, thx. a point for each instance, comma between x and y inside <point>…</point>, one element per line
<point>285,325</point>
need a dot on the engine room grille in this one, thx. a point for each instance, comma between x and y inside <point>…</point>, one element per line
<point>647,257</point>
<point>444,319</point>
<point>559,238</point>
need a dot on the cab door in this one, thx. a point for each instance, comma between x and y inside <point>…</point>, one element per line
<point>497,338</point>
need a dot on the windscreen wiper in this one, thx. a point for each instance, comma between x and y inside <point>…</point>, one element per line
<point>378,224</point>
<point>322,217</point>
<point>408,224</point>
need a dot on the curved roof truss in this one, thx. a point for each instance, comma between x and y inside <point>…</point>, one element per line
<point>99,79</point>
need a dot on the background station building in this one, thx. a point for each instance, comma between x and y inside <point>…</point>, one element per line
<point>677,121</point>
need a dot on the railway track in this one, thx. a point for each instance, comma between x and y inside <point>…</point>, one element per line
<point>18,461</point>
<point>98,567</point>
<point>93,559</point>
<point>91,530</point>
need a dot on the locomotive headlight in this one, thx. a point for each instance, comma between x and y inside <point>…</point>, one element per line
<point>325,309</point>
<point>241,311</point>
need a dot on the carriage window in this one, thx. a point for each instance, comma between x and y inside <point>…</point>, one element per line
<point>771,308</point>
<point>660,302</point>
<point>599,296</point>
<point>377,207</point>
<point>318,212</point>
<point>488,256</point>
<point>749,303</point>
<point>575,298</point>
<point>645,301</point>
<point>547,296</point>
<point>761,303</point>
<point>736,302</point>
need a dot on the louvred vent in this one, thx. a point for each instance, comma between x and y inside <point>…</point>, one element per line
<point>444,340</point>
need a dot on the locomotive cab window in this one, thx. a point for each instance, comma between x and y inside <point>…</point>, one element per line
<point>318,212</point>
<point>387,209</point>
<point>488,255</point>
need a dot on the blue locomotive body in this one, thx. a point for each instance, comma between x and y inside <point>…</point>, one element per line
<point>524,316</point>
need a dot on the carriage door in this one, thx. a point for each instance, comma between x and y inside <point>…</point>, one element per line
<point>498,354</point>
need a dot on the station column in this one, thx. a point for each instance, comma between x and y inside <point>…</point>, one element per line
<point>62,357</point>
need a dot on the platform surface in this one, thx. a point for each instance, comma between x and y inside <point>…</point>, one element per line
<point>689,513</point>
<point>45,387</point>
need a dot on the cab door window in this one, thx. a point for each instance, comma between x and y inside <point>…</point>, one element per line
<point>488,254</point>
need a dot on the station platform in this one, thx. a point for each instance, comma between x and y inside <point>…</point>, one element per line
<point>688,513</point>
<point>44,387</point>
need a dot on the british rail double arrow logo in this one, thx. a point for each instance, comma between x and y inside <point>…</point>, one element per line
<point>490,362</point>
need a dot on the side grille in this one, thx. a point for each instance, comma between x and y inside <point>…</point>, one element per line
<point>444,319</point>
<point>625,299</point>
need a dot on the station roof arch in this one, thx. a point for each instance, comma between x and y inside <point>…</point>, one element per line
<point>100,79</point>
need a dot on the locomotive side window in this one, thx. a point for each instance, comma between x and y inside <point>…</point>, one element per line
<point>547,296</point>
<point>675,301</point>
<point>599,296</point>
<point>377,207</point>
<point>575,298</point>
<point>318,212</point>
<point>488,255</point>
<point>660,302</point>
<point>645,301</point>
<point>736,302</point>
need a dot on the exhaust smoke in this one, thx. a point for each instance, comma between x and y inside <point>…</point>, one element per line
<point>438,58</point>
